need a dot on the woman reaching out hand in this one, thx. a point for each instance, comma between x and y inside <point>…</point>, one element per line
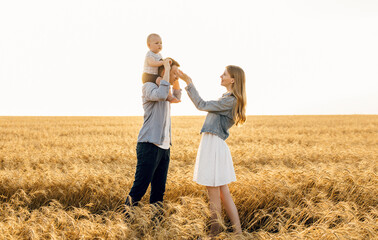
<point>214,167</point>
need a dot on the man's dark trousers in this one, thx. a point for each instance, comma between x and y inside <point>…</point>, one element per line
<point>152,167</point>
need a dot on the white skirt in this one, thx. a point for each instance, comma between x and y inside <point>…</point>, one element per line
<point>214,165</point>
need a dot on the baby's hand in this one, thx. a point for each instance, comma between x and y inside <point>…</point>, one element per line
<point>158,80</point>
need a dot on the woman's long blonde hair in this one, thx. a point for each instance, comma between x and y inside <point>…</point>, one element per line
<point>238,90</point>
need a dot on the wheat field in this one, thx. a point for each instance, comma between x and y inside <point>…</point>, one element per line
<point>298,177</point>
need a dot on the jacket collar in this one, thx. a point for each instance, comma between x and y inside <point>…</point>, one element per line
<point>228,94</point>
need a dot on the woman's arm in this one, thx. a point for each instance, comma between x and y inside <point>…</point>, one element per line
<point>220,105</point>
<point>208,106</point>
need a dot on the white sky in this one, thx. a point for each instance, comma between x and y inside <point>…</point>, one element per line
<point>86,57</point>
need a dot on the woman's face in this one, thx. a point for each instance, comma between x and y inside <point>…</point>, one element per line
<point>227,80</point>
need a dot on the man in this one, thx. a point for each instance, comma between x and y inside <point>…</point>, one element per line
<point>154,140</point>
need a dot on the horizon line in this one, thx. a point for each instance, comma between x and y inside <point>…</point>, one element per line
<point>354,114</point>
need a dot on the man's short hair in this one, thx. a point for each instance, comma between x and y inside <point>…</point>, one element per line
<point>161,68</point>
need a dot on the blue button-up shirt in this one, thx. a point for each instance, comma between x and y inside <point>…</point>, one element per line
<point>155,112</point>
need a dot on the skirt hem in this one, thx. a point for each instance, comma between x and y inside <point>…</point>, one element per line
<point>214,185</point>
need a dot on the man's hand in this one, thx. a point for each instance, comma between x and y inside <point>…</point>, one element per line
<point>176,85</point>
<point>167,63</point>
<point>158,80</point>
<point>167,69</point>
<point>184,77</point>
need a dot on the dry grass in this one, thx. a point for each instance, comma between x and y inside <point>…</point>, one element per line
<point>299,177</point>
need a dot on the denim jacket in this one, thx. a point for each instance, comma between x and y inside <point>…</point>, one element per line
<point>219,118</point>
<point>155,112</point>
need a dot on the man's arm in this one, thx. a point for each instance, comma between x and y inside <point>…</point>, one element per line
<point>176,90</point>
<point>152,92</point>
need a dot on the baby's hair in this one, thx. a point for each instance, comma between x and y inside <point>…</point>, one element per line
<point>151,36</point>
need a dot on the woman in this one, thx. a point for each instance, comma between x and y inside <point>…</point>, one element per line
<point>214,168</point>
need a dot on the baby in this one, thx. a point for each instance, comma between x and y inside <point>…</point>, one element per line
<point>153,61</point>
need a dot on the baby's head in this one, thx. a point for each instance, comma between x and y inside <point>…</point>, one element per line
<point>154,42</point>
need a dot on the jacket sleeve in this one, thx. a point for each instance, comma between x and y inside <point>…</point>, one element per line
<point>220,105</point>
<point>153,92</point>
<point>177,93</point>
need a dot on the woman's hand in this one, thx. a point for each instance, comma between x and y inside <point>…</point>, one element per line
<point>183,76</point>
